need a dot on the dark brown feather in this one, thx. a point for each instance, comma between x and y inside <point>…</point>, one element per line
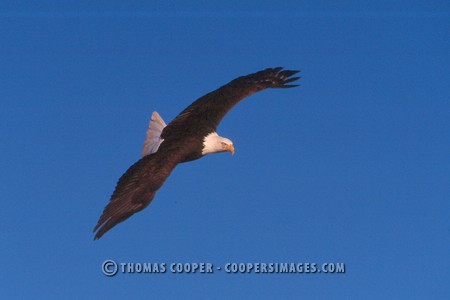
<point>137,187</point>
<point>204,115</point>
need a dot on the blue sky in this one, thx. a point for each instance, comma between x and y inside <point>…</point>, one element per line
<point>352,167</point>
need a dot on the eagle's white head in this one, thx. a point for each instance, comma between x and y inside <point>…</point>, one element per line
<point>214,143</point>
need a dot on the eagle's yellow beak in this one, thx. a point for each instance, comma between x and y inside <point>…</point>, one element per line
<point>230,148</point>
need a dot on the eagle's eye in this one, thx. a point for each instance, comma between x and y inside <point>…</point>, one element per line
<point>223,143</point>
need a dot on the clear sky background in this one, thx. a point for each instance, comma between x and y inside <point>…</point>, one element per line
<point>353,166</point>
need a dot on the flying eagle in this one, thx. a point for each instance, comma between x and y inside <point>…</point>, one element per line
<point>191,135</point>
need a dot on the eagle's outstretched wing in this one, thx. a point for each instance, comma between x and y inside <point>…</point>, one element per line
<point>136,189</point>
<point>207,111</point>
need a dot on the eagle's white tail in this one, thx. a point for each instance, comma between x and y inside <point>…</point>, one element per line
<point>153,138</point>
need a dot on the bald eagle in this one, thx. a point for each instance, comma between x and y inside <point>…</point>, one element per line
<point>191,135</point>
